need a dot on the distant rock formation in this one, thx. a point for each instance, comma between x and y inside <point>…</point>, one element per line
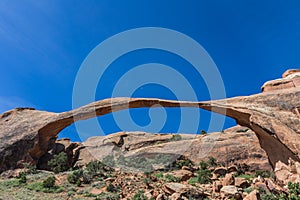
<point>290,79</point>
<point>27,134</point>
<point>234,145</point>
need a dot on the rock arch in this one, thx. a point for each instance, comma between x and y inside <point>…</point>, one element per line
<point>25,133</point>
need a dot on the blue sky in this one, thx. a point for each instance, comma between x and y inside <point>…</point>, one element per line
<point>43,44</point>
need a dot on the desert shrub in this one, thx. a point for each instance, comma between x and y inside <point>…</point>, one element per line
<point>59,163</point>
<point>264,173</point>
<point>41,187</point>
<point>271,196</point>
<point>193,181</point>
<point>203,132</point>
<point>183,162</point>
<point>203,164</point>
<point>30,169</point>
<point>268,196</point>
<point>159,175</point>
<point>242,130</point>
<point>108,196</point>
<point>294,191</point>
<point>94,167</point>
<point>242,168</point>
<point>212,162</point>
<point>245,176</point>
<point>176,137</point>
<point>22,177</point>
<point>248,189</point>
<point>49,182</point>
<point>139,195</point>
<point>147,181</point>
<point>11,183</point>
<point>87,177</point>
<point>171,178</point>
<point>204,176</point>
<point>75,176</point>
<point>110,187</point>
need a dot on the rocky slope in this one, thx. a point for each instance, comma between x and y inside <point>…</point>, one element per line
<point>181,181</point>
<point>273,115</point>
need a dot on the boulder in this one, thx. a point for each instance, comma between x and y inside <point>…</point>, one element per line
<point>254,195</point>
<point>241,182</point>
<point>220,171</point>
<point>287,172</point>
<point>229,190</point>
<point>217,185</point>
<point>182,175</point>
<point>183,189</point>
<point>274,188</point>
<point>175,196</point>
<point>232,168</point>
<point>228,180</point>
<point>261,186</point>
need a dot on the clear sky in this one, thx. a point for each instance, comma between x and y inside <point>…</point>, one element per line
<point>43,44</point>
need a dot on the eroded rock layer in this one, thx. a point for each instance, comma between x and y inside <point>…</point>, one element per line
<point>235,145</point>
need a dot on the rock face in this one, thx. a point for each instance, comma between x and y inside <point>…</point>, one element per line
<point>273,115</point>
<point>288,173</point>
<point>71,149</point>
<point>290,79</point>
<point>234,145</point>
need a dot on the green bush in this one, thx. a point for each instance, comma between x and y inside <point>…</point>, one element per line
<point>139,195</point>
<point>243,130</point>
<point>248,190</point>
<point>176,137</point>
<point>242,168</point>
<point>94,167</point>
<point>30,169</point>
<point>87,177</point>
<point>193,181</point>
<point>147,181</point>
<point>159,175</point>
<point>212,162</point>
<point>203,164</point>
<point>204,176</point>
<point>264,173</point>
<point>183,162</point>
<point>75,176</point>
<point>22,177</point>
<point>112,188</point>
<point>39,187</point>
<point>108,196</point>
<point>269,196</point>
<point>203,132</point>
<point>11,183</point>
<point>49,182</point>
<point>59,163</point>
<point>171,178</point>
<point>246,176</point>
<point>294,191</point>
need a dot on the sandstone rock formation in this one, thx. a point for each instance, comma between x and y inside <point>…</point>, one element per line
<point>290,79</point>
<point>234,145</point>
<point>273,115</point>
